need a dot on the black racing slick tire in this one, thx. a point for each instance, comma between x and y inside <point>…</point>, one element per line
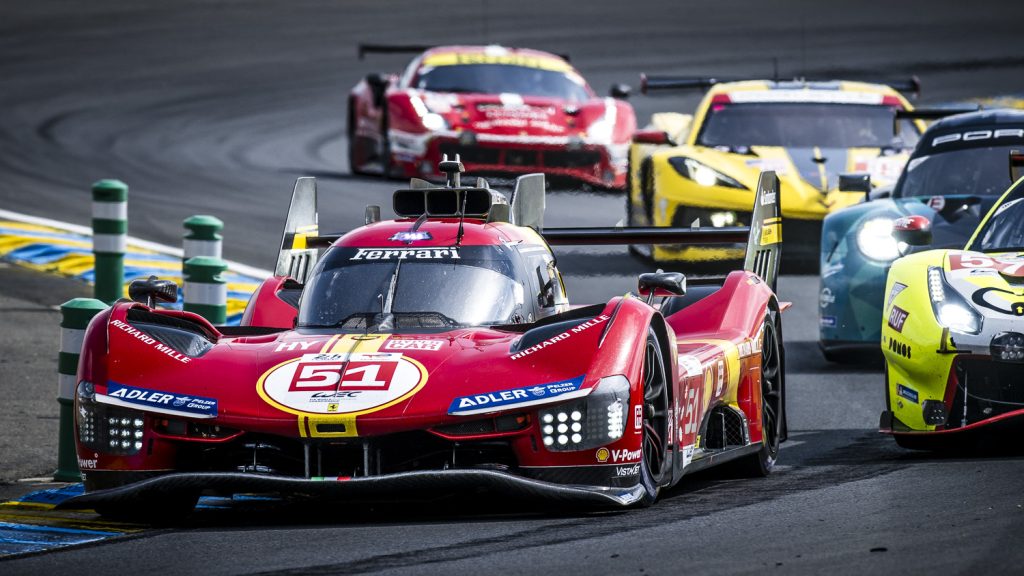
<point>763,461</point>
<point>654,466</point>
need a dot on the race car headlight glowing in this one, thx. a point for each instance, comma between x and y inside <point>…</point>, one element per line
<point>434,121</point>
<point>589,422</point>
<point>949,307</point>
<point>105,428</point>
<point>875,240</point>
<point>702,174</point>
<point>1008,347</point>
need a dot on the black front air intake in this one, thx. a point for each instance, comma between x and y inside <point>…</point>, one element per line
<point>445,202</point>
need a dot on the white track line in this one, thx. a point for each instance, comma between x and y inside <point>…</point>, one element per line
<point>146,244</point>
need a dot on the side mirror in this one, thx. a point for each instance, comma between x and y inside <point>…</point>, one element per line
<point>153,290</point>
<point>620,91</point>
<point>657,137</point>
<point>661,284</point>
<point>913,230</point>
<point>378,83</point>
<point>855,182</point>
<point>879,193</point>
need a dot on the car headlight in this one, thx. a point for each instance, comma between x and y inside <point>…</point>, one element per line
<point>875,240</point>
<point>949,307</point>
<point>590,422</point>
<point>433,121</point>
<point>702,174</point>
<point>104,428</point>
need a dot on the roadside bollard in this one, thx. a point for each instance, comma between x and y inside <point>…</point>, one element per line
<point>74,318</point>
<point>109,237</point>
<point>206,292</point>
<point>202,237</point>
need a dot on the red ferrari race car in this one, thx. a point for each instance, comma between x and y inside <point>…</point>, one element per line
<point>504,110</point>
<point>435,354</point>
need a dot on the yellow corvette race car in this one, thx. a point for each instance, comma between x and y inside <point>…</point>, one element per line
<point>705,166</point>
<point>953,331</point>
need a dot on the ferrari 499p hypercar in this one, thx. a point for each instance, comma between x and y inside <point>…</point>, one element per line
<point>705,166</point>
<point>953,331</point>
<point>505,111</point>
<point>954,176</point>
<point>437,354</point>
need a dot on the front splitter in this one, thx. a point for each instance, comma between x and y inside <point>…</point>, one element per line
<point>400,486</point>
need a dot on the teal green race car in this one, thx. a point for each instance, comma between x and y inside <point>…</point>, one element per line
<point>953,177</point>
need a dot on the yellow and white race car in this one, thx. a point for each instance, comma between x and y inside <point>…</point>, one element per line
<point>705,166</point>
<point>953,331</point>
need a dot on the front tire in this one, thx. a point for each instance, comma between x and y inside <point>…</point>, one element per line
<point>654,468</point>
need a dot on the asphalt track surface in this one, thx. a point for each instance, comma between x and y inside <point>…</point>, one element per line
<point>215,107</point>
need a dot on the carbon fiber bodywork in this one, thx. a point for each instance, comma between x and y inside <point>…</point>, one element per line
<point>422,484</point>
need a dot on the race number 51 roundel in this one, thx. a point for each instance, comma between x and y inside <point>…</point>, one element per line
<point>341,383</point>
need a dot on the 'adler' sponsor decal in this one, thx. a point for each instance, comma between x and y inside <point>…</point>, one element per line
<point>341,383</point>
<point>122,395</point>
<point>525,396</point>
<point>559,337</point>
<point>897,318</point>
<point>451,253</point>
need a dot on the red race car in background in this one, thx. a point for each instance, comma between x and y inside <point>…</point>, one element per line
<point>505,111</point>
<point>437,354</point>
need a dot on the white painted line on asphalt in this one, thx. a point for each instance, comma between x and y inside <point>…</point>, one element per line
<point>791,443</point>
<point>155,247</point>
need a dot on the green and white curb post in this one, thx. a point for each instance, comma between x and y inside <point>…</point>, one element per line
<point>74,319</point>
<point>206,292</point>
<point>109,237</point>
<point>202,237</point>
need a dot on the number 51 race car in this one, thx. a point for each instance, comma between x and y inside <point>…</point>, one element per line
<point>953,330</point>
<point>437,354</point>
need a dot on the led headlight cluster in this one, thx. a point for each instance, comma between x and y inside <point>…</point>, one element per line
<point>702,174</point>
<point>105,428</point>
<point>950,308</point>
<point>1008,347</point>
<point>588,422</point>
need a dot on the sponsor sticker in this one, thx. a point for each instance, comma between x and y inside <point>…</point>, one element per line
<point>826,298</point>
<point>413,344</point>
<point>451,253</point>
<point>894,292</point>
<point>978,135</point>
<point>897,318</point>
<point>626,471</point>
<point>907,393</point>
<point>87,463</point>
<point>687,455</point>
<point>161,401</point>
<point>827,321</point>
<point>411,236</point>
<point>524,396</point>
<point>690,365</point>
<point>146,339</point>
<point>602,454</point>
<point>559,337</point>
<point>623,455</point>
<point>937,203</point>
<point>341,383</point>
<point>638,417</point>
<point>295,345</point>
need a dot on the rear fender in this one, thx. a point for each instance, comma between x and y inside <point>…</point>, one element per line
<point>268,307</point>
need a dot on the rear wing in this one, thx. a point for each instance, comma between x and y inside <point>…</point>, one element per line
<point>935,113</point>
<point>662,83</point>
<point>300,243</point>
<point>364,49</point>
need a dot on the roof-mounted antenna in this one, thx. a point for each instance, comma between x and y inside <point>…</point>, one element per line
<point>452,169</point>
<point>462,216</point>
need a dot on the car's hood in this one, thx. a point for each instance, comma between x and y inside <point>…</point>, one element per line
<point>809,177</point>
<point>340,385</point>
<point>992,282</point>
<point>518,115</point>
